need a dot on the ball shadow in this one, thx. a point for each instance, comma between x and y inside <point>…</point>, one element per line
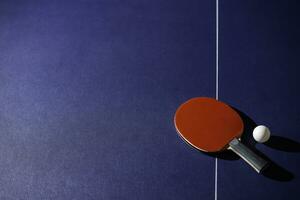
<point>283,144</point>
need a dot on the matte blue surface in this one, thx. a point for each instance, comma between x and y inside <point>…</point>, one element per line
<point>88,90</point>
<point>87,96</point>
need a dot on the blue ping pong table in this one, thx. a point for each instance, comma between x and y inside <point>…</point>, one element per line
<point>89,88</point>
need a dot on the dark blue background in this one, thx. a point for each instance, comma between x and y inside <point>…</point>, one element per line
<point>259,75</point>
<point>88,90</point>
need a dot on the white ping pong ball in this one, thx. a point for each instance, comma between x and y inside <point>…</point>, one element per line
<point>261,133</point>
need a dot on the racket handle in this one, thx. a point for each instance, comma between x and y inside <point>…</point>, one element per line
<point>248,155</point>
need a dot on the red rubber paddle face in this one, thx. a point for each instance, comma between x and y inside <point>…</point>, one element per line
<point>207,124</point>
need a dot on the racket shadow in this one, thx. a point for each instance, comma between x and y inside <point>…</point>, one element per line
<point>273,170</point>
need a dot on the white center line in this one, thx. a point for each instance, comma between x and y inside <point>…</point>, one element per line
<point>217,87</point>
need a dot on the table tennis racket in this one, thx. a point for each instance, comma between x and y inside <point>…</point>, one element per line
<point>210,125</point>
